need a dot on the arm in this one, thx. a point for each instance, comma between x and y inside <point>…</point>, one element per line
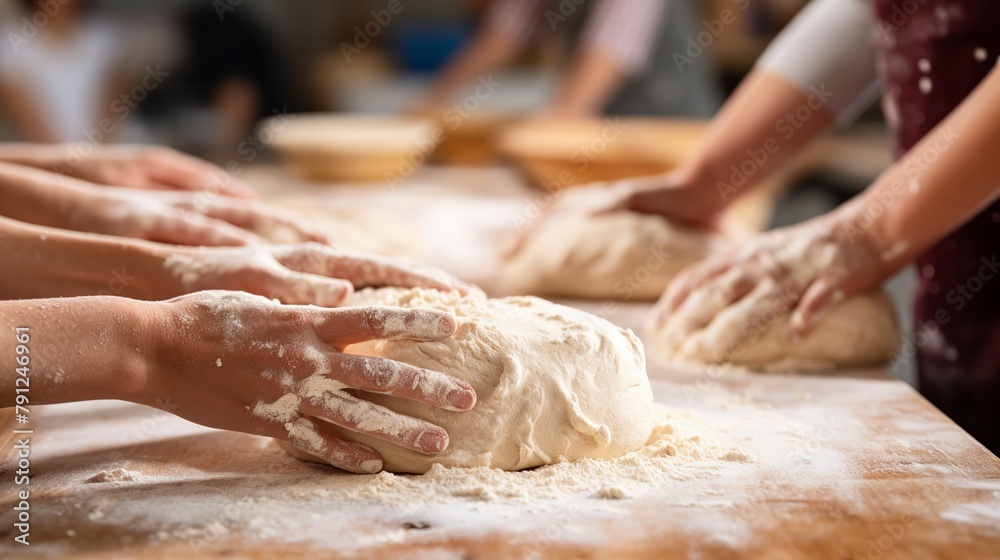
<point>120,165</point>
<point>853,249</point>
<point>825,49</point>
<point>926,203</point>
<point>593,79</point>
<point>821,67</point>
<point>616,44</point>
<point>211,358</point>
<point>508,25</point>
<point>43,262</point>
<point>31,195</point>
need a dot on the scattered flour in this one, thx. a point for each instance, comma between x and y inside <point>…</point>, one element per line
<point>119,475</point>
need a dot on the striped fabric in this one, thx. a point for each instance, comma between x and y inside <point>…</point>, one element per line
<point>625,29</point>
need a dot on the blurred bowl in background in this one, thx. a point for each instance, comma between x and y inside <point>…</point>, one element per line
<point>560,153</point>
<point>472,140</point>
<point>352,148</point>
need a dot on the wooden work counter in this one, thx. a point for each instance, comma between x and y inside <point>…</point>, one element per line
<point>852,465</point>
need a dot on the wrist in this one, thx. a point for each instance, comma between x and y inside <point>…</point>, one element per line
<point>146,333</point>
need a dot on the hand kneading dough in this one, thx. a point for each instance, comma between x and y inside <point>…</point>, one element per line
<point>621,255</point>
<point>553,383</point>
<point>860,331</point>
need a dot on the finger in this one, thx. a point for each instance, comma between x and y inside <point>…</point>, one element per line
<point>688,279</point>
<point>357,415</point>
<point>181,171</point>
<point>364,270</point>
<point>817,300</point>
<point>349,456</point>
<point>298,288</point>
<point>281,226</point>
<point>738,321</point>
<point>379,375</point>
<point>342,327</point>
<point>197,230</point>
<point>703,303</point>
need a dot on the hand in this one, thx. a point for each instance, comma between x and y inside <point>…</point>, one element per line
<point>240,362</point>
<point>307,273</point>
<point>189,219</point>
<point>153,167</point>
<point>679,196</point>
<point>805,268</point>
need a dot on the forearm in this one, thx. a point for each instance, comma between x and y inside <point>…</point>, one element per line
<point>40,262</point>
<point>941,183</point>
<point>491,49</point>
<point>594,78</point>
<point>766,122</point>
<point>74,349</point>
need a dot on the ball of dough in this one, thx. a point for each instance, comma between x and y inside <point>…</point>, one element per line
<point>553,383</point>
<point>620,255</point>
<point>860,331</point>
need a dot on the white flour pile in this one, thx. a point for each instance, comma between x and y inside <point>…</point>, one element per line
<point>677,450</point>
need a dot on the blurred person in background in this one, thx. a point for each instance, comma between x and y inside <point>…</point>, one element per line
<point>622,62</point>
<point>59,68</point>
<point>938,205</point>
<point>226,77</point>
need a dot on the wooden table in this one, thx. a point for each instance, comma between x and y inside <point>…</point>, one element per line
<point>881,474</point>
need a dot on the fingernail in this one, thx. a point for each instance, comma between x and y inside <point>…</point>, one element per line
<point>371,466</point>
<point>462,399</point>
<point>433,441</point>
<point>447,325</point>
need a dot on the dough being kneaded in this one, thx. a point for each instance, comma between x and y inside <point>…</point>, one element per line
<point>553,383</point>
<point>620,255</point>
<point>860,331</point>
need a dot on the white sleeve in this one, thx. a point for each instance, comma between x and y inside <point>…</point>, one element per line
<point>829,44</point>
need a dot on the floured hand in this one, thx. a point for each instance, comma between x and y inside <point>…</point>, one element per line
<point>190,218</point>
<point>306,273</point>
<point>807,268</point>
<point>241,362</point>
<point>153,167</point>
<point>677,196</point>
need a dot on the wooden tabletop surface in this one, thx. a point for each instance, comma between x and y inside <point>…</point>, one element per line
<point>850,465</point>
